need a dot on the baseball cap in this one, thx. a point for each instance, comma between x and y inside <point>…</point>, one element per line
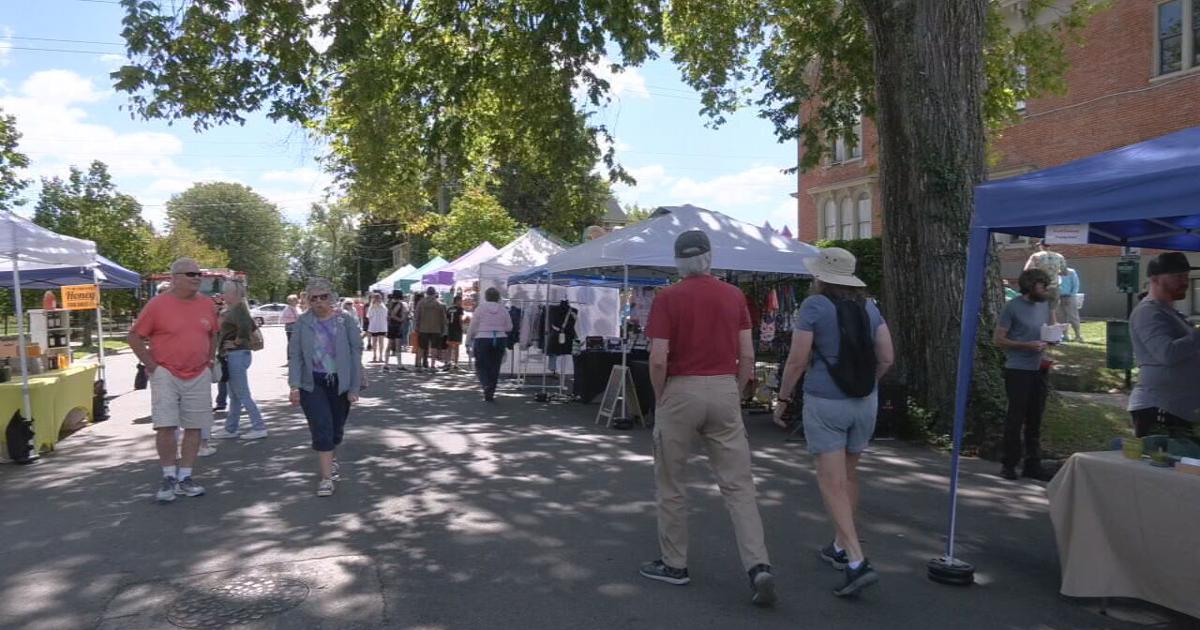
<point>692,243</point>
<point>1169,262</point>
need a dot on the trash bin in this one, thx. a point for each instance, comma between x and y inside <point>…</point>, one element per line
<point>1119,347</point>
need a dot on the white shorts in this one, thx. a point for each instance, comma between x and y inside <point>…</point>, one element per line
<point>175,402</point>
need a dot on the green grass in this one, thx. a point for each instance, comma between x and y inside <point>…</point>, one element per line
<point>1071,425</point>
<point>110,345</point>
<point>1079,367</point>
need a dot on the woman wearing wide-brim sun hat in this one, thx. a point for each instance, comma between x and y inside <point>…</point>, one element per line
<point>840,396</point>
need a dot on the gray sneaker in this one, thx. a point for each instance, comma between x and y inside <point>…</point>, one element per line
<point>836,559</point>
<point>661,571</point>
<point>335,471</point>
<point>189,488</point>
<point>857,579</point>
<point>762,582</point>
<point>325,488</point>
<point>166,490</point>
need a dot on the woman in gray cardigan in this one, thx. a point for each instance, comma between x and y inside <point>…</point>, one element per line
<point>325,374</point>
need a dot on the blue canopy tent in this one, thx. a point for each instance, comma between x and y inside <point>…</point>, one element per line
<point>104,273</point>
<point>114,276</point>
<point>1142,195</point>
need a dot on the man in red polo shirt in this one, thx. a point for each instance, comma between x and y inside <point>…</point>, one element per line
<point>173,337</point>
<point>701,357</point>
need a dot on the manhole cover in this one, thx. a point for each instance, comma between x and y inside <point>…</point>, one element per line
<point>241,600</point>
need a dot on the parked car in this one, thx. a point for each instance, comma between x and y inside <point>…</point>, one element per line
<point>267,314</point>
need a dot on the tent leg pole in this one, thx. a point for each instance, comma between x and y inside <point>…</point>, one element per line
<point>624,355</point>
<point>26,406</point>
<point>947,569</point>
<point>100,338</point>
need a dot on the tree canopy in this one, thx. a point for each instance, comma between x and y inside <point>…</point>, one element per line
<point>475,217</point>
<point>11,162</point>
<point>88,205</point>
<point>413,96</point>
<point>238,221</point>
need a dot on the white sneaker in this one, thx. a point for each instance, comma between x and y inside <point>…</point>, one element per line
<point>325,488</point>
<point>206,450</point>
<point>222,434</point>
<point>254,435</point>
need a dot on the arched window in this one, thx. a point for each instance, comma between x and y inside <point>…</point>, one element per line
<point>864,215</point>
<point>847,219</point>
<point>829,216</point>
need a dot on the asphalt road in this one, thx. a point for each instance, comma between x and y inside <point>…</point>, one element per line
<point>454,514</point>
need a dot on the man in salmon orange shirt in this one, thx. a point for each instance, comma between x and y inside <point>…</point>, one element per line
<point>178,326</point>
<point>701,357</point>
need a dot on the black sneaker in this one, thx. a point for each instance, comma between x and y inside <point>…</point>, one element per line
<point>1010,473</point>
<point>658,570</point>
<point>1033,470</point>
<point>762,582</point>
<point>836,559</point>
<point>857,579</point>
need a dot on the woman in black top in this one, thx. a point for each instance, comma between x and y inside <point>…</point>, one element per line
<point>454,332</point>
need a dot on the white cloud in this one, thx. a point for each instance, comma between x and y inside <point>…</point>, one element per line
<point>52,111</point>
<point>627,82</point>
<point>56,132</point>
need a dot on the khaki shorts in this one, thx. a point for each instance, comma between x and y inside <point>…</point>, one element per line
<point>175,402</point>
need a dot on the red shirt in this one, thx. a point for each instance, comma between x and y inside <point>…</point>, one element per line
<point>180,332</point>
<point>702,317</point>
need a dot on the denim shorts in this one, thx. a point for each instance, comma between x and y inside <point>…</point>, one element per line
<point>834,425</point>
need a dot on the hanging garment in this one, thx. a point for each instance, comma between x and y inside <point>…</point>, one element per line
<point>562,329</point>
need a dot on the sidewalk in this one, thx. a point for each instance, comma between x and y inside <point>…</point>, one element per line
<point>454,514</point>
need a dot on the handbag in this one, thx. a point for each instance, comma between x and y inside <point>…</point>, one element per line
<point>256,339</point>
<point>217,370</point>
<point>141,380</point>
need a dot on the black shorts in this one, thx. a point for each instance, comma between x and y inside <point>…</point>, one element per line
<point>377,334</point>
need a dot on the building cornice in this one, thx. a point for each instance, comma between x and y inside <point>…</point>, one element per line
<point>849,183</point>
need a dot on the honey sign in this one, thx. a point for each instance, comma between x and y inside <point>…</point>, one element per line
<point>80,297</point>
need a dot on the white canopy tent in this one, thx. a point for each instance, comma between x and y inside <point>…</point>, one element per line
<point>646,250</point>
<point>24,244</point>
<point>644,253</point>
<point>386,284</point>
<point>529,250</point>
<point>447,276</point>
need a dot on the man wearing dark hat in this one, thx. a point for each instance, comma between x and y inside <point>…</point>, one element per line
<point>431,323</point>
<point>701,357</point>
<point>1166,399</point>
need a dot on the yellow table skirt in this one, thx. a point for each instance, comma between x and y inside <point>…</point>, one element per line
<point>51,397</point>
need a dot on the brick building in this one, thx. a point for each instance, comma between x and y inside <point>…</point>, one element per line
<point>1135,77</point>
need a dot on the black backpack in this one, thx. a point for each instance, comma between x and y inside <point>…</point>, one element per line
<point>854,373</point>
<point>19,438</point>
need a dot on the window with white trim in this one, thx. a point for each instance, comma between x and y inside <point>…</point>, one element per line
<point>847,219</point>
<point>864,215</point>
<point>1177,36</point>
<point>849,146</point>
<point>1023,80</point>
<point>829,216</point>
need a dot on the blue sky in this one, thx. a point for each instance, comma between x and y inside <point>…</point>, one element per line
<point>69,115</point>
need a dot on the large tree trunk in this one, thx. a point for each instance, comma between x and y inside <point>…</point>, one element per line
<point>929,70</point>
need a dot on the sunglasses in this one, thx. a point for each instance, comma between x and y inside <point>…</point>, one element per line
<point>190,274</point>
<point>318,298</point>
